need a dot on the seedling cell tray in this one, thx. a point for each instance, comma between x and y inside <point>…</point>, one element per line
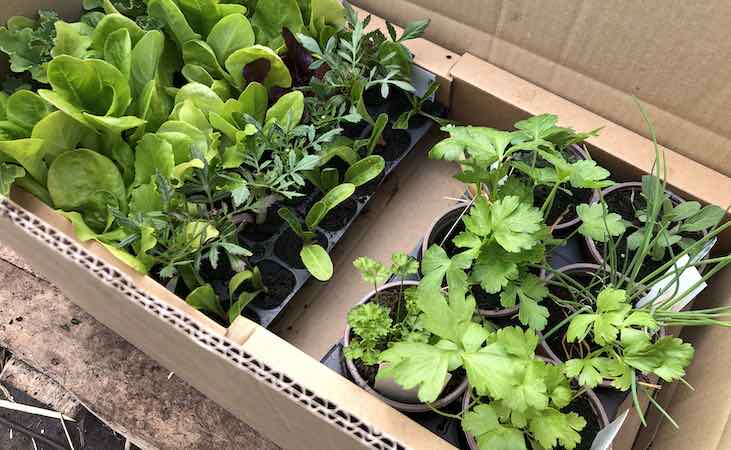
<point>271,253</point>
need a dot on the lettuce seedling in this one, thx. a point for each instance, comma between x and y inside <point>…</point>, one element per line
<point>314,257</point>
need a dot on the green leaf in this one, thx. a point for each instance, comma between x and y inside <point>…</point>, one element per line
<point>152,156</point>
<point>531,291</point>
<point>292,220</point>
<point>514,224</point>
<point>175,22</point>
<point>597,224</point>
<point>579,327</point>
<point>611,299</point>
<point>414,29</point>
<point>86,182</point>
<point>480,420</point>
<point>413,364</point>
<point>552,427</point>
<point>72,39</point>
<point>317,261</point>
<point>273,15</point>
<point>146,60</point>
<point>278,73</point>
<point>254,101</point>
<point>586,174</point>
<point>494,269</point>
<point>205,299</point>
<point>28,153</point>
<point>706,218</point>
<point>372,271</point>
<point>436,265</point>
<point>365,170</point>
<point>685,210</point>
<point>503,438</point>
<point>59,133</point>
<point>666,358</point>
<point>238,307</point>
<point>287,111</point>
<point>118,51</point>
<point>26,109</point>
<point>590,372</point>
<point>8,174</point>
<point>110,24</point>
<point>92,86</point>
<point>333,198</point>
<point>449,321</point>
<point>231,33</point>
<point>202,15</point>
<point>199,53</point>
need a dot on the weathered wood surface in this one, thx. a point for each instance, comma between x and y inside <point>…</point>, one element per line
<point>120,384</point>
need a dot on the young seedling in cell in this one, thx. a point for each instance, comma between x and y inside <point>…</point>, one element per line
<point>314,257</point>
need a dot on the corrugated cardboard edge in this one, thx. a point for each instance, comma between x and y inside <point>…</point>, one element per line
<point>219,354</point>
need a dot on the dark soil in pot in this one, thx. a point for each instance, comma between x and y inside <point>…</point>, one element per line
<point>583,407</point>
<point>259,232</point>
<point>278,281</point>
<point>437,233</point>
<point>353,130</point>
<point>339,216</point>
<point>288,247</point>
<point>372,97</point>
<point>391,297</point>
<point>369,188</point>
<point>396,144</point>
<point>563,209</point>
<point>624,199</point>
<point>429,107</point>
<point>398,103</point>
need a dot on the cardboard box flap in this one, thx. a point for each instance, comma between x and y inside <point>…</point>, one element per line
<point>599,54</point>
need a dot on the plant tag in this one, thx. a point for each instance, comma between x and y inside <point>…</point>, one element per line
<point>675,283</point>
<point>389,388</point>
<point>421,79</point>
<point>606,435</point>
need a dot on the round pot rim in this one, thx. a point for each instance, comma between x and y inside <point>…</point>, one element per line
<point>425,246</point>
<point>425,241</point>
<point>597,406</point>
<point>627,185</point>
<point>363,384</point>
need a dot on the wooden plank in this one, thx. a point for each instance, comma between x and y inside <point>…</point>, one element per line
<point>120,384</point>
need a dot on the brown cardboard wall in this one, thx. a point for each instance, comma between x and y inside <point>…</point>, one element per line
<point>674,56</point>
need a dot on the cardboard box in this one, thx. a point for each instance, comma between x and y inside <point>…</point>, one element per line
<point>274,382</point>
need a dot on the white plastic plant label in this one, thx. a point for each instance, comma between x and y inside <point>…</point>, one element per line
<point>678,281</point>
<point>606,435</point>
<point>421,79</point>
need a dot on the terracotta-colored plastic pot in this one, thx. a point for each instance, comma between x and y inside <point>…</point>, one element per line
<point>630,186</point>
<point>440,227</point>
<point>581,268</point>
<point>596,405</point>
<point>441,402</point>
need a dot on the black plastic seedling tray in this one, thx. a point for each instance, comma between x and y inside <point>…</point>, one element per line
<point>268,254</point>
